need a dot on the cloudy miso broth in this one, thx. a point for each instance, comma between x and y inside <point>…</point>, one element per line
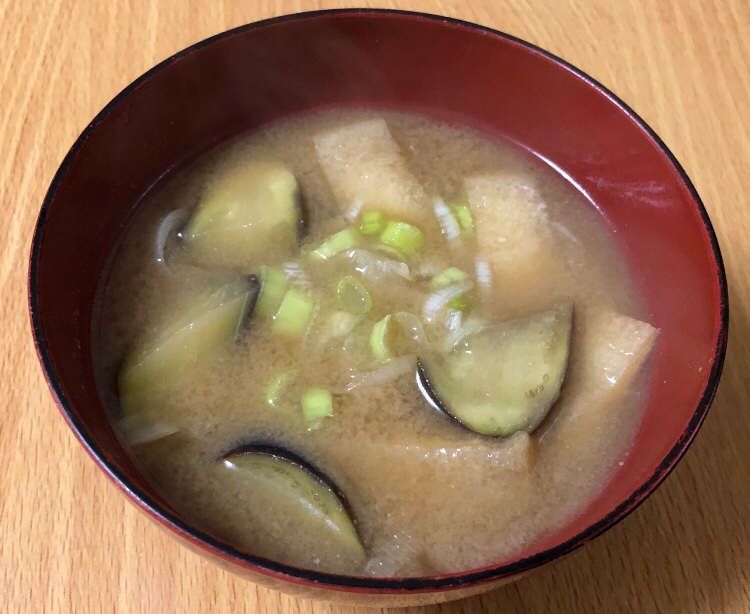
<point>372,344</point>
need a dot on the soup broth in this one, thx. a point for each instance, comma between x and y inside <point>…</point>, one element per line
<point>324,374</point>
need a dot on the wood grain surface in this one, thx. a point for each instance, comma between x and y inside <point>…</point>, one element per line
<point>69,542</point>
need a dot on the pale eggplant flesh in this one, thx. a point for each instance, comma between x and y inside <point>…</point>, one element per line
<point>300,491</point>
<point>204,323</point>
<point>504,378</point>
<point>246,213</point>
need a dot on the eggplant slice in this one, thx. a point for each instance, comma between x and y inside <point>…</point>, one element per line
<point>300,490</point>
<point>503,378</point>
<point>204,324</point>
<point>247,213</point>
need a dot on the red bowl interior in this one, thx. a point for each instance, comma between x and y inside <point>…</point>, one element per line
<point>407,62</point>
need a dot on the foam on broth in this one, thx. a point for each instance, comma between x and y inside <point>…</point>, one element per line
<point>428,496</point>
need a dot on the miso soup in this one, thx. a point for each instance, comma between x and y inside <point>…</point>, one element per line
<point>372,344</point>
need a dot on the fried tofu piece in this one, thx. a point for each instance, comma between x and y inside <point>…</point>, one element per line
<point>611,351</point>
<point>613,348</point>
<point>362,162</point>
<point>423,452</point>
<point>521,452</point>
<point>512,224</point>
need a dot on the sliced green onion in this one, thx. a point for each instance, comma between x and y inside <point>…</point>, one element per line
<point>405,237</point>
<point>293,315</point>
<point>353,295</point>
<point>372,223</point>
<point>336,243</point>
<point>317,403</point>
<point>379,340</point>
<point>278,389</point>
<point>447,277</point>
<point>272,288</point>
<point>460,303</point>
<point>464,217</point>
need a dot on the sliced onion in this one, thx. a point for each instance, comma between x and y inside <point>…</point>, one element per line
<point>396,368</point>
<point>355,349</point>
<point>137,430</point>
<point>565,232</point>
<point>440,298</point>
<point>471,326</point>
<point>338,325</point>
<point>389,558</point>
<point>297,275</point>
<point>483,273</point>
<point>411,327</point>
<point>166,227</point>
<point>376,267</point>
<point>453,320</point>
<point>353,211</point>
<point>448,222</point>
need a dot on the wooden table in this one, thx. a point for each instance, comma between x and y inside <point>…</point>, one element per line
<point>69,542</point>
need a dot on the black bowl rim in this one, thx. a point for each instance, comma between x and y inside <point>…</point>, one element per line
<point>353,583</point>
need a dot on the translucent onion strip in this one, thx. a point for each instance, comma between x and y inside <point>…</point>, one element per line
<point>484,274</point>
<point>448,223</point>
<point>396,368</point>
<point>352,213</point>
<point>411,327</point>
<point>277,392</point>
<point>376,267</point>
<point>297,275</point>
<point>439,299</point>
<point>167,226</point>
<point>453,321</point>
<point>469,327</point>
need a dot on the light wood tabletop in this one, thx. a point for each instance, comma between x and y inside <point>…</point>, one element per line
<point>69,541</point>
